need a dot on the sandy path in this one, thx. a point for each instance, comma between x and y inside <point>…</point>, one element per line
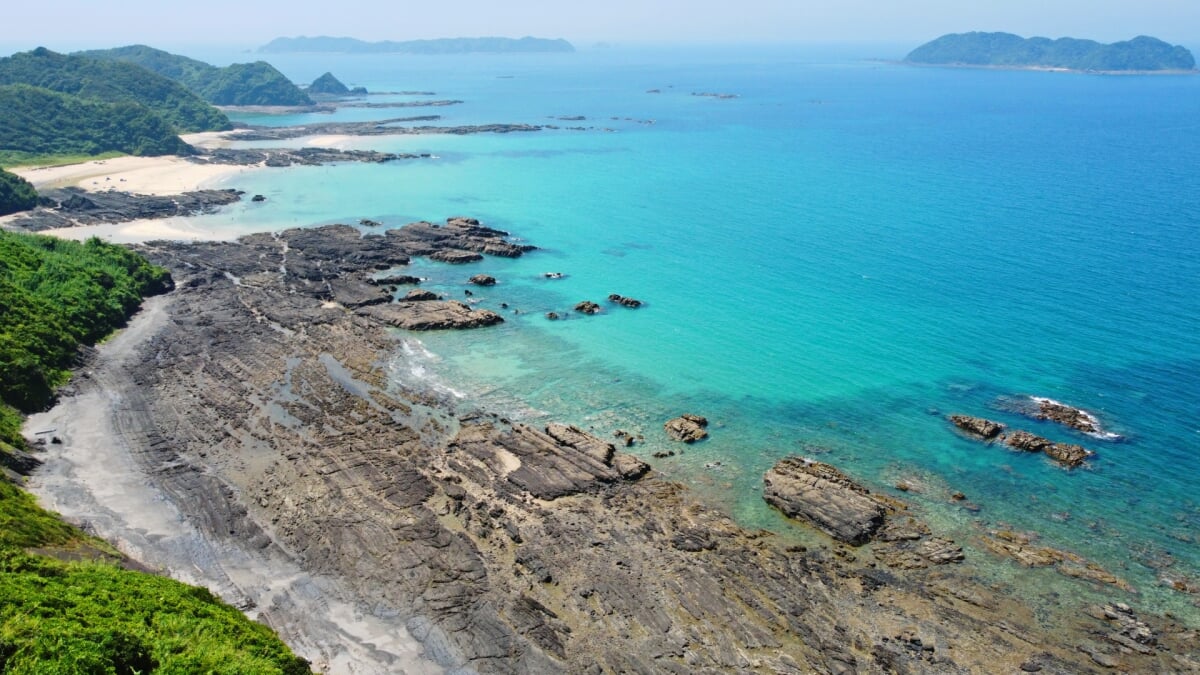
<point>127,497</point>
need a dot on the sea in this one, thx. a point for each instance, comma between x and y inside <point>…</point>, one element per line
<point>835,251</point>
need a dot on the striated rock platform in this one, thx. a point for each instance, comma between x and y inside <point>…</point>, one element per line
<point>280,422</point>
<point>825,497</point>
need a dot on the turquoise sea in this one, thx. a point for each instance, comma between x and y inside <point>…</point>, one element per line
<point>831,262</point>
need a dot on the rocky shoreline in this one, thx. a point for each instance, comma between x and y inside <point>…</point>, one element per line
<point>261,405</point>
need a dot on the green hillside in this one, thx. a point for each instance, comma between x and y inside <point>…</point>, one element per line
<point>36,122</point>
<point>1007,50</point>
<point>113,82</point>
<point>94,616</point>
<point>16,194</point>
<point>257,83</point>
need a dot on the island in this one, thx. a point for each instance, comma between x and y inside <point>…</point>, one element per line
<point>462,45</point>
<point>1005,50</point>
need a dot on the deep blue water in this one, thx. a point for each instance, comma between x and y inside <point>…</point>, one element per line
<point>832,261</point>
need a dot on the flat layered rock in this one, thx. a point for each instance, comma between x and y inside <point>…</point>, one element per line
<point>821,495</point>
<point>432,315</point>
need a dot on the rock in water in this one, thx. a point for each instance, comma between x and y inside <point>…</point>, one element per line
<point>977,426</point>
<point>587,307</point>
<point>823,496</point>
<point>1064,453</point>
<point>482,280</point>
<point>1075,418</point>
<point>624,301</point>
<point>687,428</point>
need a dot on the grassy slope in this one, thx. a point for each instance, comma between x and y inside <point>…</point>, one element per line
<point>92,616</point>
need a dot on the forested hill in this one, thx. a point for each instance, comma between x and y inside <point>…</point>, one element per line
<point>16,194</point>
<point>113,82</point>
<point>36,122</point>
<point>257,83</point>
<point>1007,50</point>
<point>499,45</point>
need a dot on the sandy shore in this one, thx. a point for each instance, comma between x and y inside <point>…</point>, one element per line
<point>97,476</point>
<point>142,175</point>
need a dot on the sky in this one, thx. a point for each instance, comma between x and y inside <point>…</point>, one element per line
<point>66,24</point>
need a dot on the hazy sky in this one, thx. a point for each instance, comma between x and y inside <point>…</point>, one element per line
<point>70,23</point>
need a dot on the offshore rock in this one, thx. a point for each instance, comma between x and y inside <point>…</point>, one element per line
<point>977,426</point>
<point>587,307</point>
<point>624,301</point>
<point>482,280</point>
<point>824,497</point>
<point>1069,416</point>
<point>1067,454</point>
<point>687,428</point>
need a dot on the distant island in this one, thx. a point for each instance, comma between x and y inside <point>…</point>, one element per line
<point>1005,50</point>
<point>345,45</point>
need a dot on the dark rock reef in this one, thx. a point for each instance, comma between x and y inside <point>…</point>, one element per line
<point>71,207</point>
<point>977,426</point>
<point>624,301</point>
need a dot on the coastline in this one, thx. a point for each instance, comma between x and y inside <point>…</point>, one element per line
<point>156,176</point>
<point>260,409</point>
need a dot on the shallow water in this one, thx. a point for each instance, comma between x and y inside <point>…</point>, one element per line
<point>831,262</point>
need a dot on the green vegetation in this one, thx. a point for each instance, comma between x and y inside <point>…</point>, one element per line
<point>58,294</point>
<point>16,158</point>
<point>113,82</point>
<point>1006,49</point>
<point>256,83</point>
<point>498,45</point>
<point>16,194</point>
<point>94,616</point>
<point>36,121</point>
<point>329,85</point>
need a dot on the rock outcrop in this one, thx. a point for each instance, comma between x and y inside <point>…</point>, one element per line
<point>821,495</point>
<point>1067,454</point>
<point>977,426</point>
<point>687,428</point>
<point>587,307</point>
<point>482,280</point>
<point>624,301</point>
<point>1075,418</point>
<point>72,207</point>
